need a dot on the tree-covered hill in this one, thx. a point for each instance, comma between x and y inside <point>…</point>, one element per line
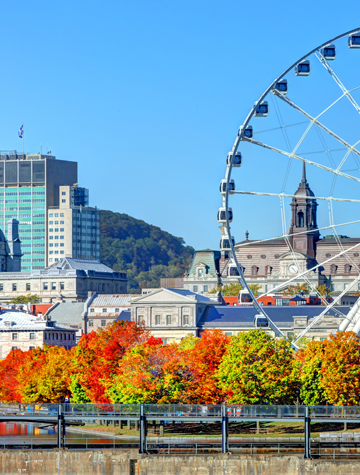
<point>144,251</point>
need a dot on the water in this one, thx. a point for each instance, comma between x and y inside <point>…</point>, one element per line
<point>14,433</point>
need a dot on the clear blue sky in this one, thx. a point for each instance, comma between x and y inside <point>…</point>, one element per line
<point>147,95</point>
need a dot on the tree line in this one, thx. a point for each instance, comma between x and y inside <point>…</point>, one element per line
<point>125,364</point>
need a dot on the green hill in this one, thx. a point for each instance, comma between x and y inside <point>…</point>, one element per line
<point>144,251</point>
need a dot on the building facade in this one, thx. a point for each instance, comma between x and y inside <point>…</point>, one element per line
<point>74,227</point>
<point>20,330</point>
<point>172,314</point>
<point>67,279</point>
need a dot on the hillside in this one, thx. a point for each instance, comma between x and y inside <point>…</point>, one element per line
<point>144,251</point>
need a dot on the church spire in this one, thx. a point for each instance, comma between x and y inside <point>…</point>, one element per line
<point>303,180</point>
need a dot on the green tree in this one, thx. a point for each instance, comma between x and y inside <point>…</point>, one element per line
<point>258,369</point>
<point>25,299</point>
<point>311,360</point>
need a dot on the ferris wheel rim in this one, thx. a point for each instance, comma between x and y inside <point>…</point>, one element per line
<point>225,197</point>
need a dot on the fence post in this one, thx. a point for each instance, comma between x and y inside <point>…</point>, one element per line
<point>224,430</point>
<point>59,428</point>
<point>142,429</point>
<point>307,441</point>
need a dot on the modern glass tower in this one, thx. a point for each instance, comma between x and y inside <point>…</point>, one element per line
<point>29,185</point>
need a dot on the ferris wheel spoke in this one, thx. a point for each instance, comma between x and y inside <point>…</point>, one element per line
<point>301,159</point>
<point>329,307</point>
<point>346,92</point>
<point>318,123</point>
<point>285,195</point>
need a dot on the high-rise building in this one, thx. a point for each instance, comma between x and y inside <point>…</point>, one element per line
<point>73,226</point>
<point>29,185</point>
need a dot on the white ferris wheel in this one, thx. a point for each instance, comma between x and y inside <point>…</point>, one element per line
<point>308,115</point>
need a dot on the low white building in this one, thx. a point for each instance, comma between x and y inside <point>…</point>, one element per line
<point>20,330</point>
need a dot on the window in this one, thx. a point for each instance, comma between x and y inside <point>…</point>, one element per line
<point>1,287</point>
<point>62,285</point>
<point>32,336</point>
<point>56,215</point>
<point>53,336</point>
<point>301,219</point>
<point>14,336</point>
<point>14,348</point>
<point>51,222</point>
<point>165,341</point>
<point>51,245</point>
<point>186,319</point>
<point>333,269</point>
<point>347,269</point>
<point>195,288</point>
<point>117,310</point>
<point>200,272</point>
<point>61,222</point>
<point>28,286</point>
<point>168,319</point>
<point>103,323</point>
<point>63,201</point>
<point>206,288</point>
<point>92,310</point>
<point>56,230</point>
<point>53,285</point>
<point>63,193</point>
<point>268,270</point>
<point>104,310</point>
<point>57,336</point>
<point>45,285</point>
<point>51,215</point>
<point>56,222</point>
<point>31,348</point>
<point>61,230</point>
<point>91,323</point>
<point>56,244</point>
<point>228,333</point>
<point>61,215</point>
<point>50,260</point>
<point>51,237</point>
<point>62,245</point>
<point>254,270</point>
<point>56,237</point>
<point>346,286</point>
<point>50,230</point>
<point>141,319</point>
<point>14,287</point>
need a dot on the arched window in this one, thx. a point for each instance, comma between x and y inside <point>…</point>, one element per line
<point>333,269</point>
<point>301,219</point>
<point>268,270</point>
<point>254,270</point>
<point>347,269</point>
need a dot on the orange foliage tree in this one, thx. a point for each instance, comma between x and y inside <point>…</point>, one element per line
<point>9,370</point>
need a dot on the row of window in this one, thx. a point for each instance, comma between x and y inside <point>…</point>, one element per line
<point>58,336</point>
<point>56,230</point>
<point>15,335</point>
<point>334,269</point>
<point>56,244</point>
<point>28,285</point>
<point>56,237</point>
<point>169,319</point>
<point>104,310</point>
<point>56,215</point>
<point>91,323</point>
<point>196,288</point>
<point>56,252</point>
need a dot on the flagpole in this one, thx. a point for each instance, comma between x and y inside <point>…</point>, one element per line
<point>23,139</point>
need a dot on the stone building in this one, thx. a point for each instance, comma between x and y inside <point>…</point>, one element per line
<point>172,314</point>
<point>67,279</point>
<point>20,330</point>
<point>272,263</point>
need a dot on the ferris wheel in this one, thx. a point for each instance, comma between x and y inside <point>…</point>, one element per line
<point>310,117</point>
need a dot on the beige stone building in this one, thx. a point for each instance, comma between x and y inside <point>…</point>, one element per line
<point>20,330</point>
<point>171,314</point>
<point>68,279</point>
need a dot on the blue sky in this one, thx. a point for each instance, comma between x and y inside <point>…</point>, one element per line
<point>147,95</point>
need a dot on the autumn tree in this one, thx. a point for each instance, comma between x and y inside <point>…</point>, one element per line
<point>311,361</point>
<point>259,369</point>
<point>99,354</point>
<point>341,369</point>
<point>44,375</point>
<point>9,369</point>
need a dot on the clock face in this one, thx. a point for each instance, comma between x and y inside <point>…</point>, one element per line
<point>293,268</point>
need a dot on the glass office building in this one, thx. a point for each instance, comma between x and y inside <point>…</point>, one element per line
<point>29,184</point>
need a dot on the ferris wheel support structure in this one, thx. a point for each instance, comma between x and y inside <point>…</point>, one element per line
<point>313,120</point>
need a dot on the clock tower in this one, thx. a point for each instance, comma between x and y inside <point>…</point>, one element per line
<point>303,225</point>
